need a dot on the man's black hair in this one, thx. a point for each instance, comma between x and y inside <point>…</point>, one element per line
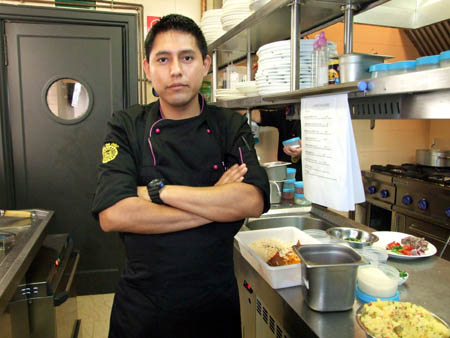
<point>179,23</point>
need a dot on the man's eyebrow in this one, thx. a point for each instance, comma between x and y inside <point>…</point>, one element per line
<point>183,51</point>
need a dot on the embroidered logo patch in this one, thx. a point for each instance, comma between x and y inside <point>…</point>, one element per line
<point>109,152</point>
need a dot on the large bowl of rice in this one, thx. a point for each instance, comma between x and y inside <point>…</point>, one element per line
<point>392,319</point>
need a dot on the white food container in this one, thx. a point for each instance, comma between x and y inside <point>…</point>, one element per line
<point>278,277</point>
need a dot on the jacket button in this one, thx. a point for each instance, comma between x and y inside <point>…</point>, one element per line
<point>215,167</point>
<point>208,131</point>
<point>157,130</point>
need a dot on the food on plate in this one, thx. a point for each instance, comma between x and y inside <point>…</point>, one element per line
<point>353,239</point>
<point>409,246</point>
<point>401,319</point>
<point>275,252</point>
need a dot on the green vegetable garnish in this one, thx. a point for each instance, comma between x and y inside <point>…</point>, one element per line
<point>403,274</point>
<point>353,239</point>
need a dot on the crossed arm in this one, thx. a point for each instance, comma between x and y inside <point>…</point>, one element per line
<point>186,207</point>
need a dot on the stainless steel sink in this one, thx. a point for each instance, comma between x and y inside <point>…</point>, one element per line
<point>299,221</point>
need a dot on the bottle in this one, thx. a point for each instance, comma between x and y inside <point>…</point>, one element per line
<point>320,61</point>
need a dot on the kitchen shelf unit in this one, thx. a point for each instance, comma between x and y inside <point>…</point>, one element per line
<point>418,95</point>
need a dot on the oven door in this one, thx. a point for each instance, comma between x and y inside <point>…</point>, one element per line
<point>377,215</point>
<point>436,234</point>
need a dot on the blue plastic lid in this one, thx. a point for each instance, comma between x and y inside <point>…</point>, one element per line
<point>411,64</point>
<point>294,139</point>
<point>288,189</point>
<point>445,55</point>
<point>427,60</point>
<point>291,170</point>
<point>291,181</point>
<point>299,184</point>
<point>299,195</point>
<point>365,298</point>
<point>379,67</point>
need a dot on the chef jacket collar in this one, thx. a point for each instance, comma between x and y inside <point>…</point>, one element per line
<point>201,101</point>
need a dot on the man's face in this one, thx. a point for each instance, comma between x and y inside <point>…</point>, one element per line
<point>176,67</point>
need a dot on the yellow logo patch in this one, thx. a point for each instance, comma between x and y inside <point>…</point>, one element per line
<point>109,152</point>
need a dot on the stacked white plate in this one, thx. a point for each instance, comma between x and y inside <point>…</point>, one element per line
<point>211,25</point>
<point>274,66</point>
<point>229,94</point>
<point>257,4</point>
<point>234,12</point>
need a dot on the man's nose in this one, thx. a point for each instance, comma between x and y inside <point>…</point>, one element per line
<point>175,68</point>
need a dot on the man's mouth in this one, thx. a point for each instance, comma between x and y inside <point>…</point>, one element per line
<point>177,86</point>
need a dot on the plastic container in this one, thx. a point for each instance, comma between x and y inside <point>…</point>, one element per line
<point>378,280</point>
<point>427,62</point>
<point>373,254</point>
<point>289,184</point>
<point>292,142</point>
<point>300,199</point>
<point>320,61</point>
<point>379,70</point>
<point>290,173</point>
<point>299,187</point>
<point>280,276</point>
<point>444,59</point>
<point>402,67</point>
<point>287,194</point>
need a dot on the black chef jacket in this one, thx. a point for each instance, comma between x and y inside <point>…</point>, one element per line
<point>286,130</point>
<point>178,284</point>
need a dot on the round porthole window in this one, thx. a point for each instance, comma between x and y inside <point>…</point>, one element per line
<point>68,100</point>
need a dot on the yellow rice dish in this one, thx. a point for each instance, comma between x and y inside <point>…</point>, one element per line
<point>388,319</point>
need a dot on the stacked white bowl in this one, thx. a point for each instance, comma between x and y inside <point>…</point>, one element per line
<point>234,12</point>
<point>211,25</point>
<point>274,66</point>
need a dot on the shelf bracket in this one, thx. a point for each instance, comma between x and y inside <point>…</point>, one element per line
<point>348,26</point>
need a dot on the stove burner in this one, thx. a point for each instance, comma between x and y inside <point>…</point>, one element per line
<point>437,175</point>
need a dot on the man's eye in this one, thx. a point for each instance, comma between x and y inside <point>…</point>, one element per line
<point>188,58</point>
<point>162,60</point>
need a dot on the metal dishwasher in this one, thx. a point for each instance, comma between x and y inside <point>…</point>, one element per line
<point>45,304</point>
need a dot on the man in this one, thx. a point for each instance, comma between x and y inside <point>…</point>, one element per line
<point>287,129</point>
<point>197,176</point>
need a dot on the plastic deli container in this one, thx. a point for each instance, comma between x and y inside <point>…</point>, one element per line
<point>427,62</point>
<point>287,194</point>
<point>402,67</point>
<point>289,184</point>
<point>291,173</point>
<point>379,70</point>
<point>444,58</point>
<point>373,254</point>
<point>292,142</point>
<point>277,276</point>
<point>378,280</point>
<point>299,187</point>
<point>300,199</point>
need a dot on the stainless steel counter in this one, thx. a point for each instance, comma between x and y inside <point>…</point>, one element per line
<point>14,264</point>
<point>428,285</point>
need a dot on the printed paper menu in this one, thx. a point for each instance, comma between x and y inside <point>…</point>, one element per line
<point>331,172</point>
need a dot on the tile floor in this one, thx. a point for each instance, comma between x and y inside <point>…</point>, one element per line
<point>94,311</point>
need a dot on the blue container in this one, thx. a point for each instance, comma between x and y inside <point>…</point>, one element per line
<point>291,173</point>
<point>427,62</point>
<point>379,70</point>
<point>401,67</point>
<point>444,58</point>
<point>292,142</point>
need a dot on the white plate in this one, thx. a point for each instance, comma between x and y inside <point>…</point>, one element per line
<point>386,237</point>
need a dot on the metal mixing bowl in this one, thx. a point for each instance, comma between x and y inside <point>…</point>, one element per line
<point>356,238</point>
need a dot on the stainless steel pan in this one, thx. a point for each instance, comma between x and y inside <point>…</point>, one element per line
<point>433,157</point>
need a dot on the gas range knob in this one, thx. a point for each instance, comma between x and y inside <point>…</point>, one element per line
<point>423,204</point>
<point>407,200</point>
<point>372,189</point>
<point>384,193</point>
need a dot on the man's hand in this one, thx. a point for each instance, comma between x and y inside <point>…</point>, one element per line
<point>293,151</point>
<point>235,174</point>
<point>142,192</point>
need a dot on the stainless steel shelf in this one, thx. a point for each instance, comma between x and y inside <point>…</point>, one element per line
<point>418,95</point>
<point>273,22</point>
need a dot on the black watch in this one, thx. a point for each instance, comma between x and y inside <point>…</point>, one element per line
<point>154,187</point>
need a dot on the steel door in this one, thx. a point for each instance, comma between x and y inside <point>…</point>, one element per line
<point>55,159</point>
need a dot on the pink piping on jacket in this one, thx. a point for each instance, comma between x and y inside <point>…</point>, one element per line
<point>240,154</point>
<point>163,118</point>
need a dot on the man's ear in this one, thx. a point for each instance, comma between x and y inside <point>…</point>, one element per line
<point>147,69</point>
<point>206,65</point>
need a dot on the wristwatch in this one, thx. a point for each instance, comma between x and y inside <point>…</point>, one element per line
<point>154,187</point>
